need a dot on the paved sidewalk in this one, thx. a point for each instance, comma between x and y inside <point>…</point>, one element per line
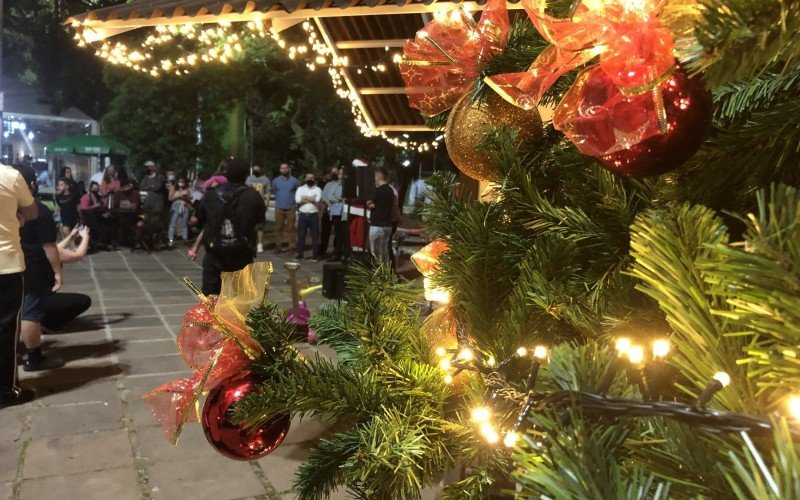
<point>89,435</point>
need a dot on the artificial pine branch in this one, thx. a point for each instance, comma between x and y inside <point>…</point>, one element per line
<point>737,39</point>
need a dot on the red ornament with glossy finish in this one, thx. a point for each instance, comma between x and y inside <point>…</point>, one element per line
<point>688,108</point>
<point>231,439</point>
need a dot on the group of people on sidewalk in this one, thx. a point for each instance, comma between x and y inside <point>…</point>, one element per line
<point>313,207</point>
<point>31,260</point>
<point>230,216</point>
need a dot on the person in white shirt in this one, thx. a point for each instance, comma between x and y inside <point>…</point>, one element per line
<point>16,206</point>
<point>307,197</point>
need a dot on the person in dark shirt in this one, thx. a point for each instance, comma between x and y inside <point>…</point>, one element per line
<point>126,205</point>
<point>67,206</point>
<point>248,209</point>
<point>380,219</point>
<point>42,276</point>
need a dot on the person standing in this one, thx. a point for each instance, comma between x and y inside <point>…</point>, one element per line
<point>16,207</point>
<point>153,185</point>
<point>260,183</point>
<point>179,211</point>
<point>43,277</point>
<point>285,186</point>
<point>380,218</point>
<point>229,215</point>
<point>307,197</point>
<point>332,215</point>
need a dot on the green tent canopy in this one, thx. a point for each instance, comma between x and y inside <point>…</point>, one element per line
<point>93,145</point>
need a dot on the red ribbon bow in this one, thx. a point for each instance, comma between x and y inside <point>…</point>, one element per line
<point>616,103</point>
<point>213,356</point>
<point>440,65</point>
<point>215,343</point>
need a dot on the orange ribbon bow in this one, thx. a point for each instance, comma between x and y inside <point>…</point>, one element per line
<point>616,103</point>
<point>441,64</point>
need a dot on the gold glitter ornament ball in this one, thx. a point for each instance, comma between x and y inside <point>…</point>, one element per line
<point>469,121</point>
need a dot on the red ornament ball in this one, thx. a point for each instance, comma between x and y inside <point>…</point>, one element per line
<point>229,438</point>
<point>688,107</point>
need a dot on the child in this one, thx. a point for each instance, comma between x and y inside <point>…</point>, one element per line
<point>67,206</point>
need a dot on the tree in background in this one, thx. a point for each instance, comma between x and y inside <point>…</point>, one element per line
<point>38,50</point>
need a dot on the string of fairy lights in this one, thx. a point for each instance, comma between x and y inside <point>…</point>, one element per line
<point>648,368</point>
<point>224,42</point>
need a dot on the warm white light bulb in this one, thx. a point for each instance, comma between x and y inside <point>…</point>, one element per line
<point>661,348</point>
<point>622,345</point>
<point>723,378</point>
<point>480,414</point>
<point>448,379</point>
<point>511,439</point>
<point>636,354</point>
<point>540,352</point>
<point>522,351</point>
<point>794,407</point>
<point>491,361</point>
<point>466,354</point>
<point>441,351</point>
<point>445,364</point>
<point>490,434</point>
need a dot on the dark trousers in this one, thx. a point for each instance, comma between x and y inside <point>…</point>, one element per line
<point>305,223</point>
<point>61,308</point>
<point>214,265</point>
<point>343,231</point>
<point>10,306</point>
<point>328,225</point>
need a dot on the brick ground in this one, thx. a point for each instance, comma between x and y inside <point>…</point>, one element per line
<point>89,435</point>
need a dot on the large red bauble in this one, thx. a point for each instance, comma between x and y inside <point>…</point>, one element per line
<point>688,107</point>
<point>231,439</point>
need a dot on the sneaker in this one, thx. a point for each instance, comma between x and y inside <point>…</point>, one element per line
<point>313,259</point>
<point>16,397</point>
<point>260,248</point>
<point>44,364</point>
<point>298,257</point>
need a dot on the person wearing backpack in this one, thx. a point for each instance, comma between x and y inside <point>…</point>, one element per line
<point>229,215</point>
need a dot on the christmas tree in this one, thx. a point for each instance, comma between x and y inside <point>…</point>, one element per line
<point>607,336</point>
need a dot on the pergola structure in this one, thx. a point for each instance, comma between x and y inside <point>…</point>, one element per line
<point>360,30</point>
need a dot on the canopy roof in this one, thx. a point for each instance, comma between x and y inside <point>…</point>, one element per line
<point>90,145</point>
<point>361,30</point>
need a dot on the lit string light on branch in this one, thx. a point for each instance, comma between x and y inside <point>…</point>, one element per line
<point>631,357</point>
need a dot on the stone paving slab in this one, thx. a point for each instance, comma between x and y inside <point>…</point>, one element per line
<point>89,435</point>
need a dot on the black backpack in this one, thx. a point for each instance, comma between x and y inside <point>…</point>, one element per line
<point>222,234</point>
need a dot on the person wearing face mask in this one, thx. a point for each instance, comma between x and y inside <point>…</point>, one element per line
<point>307,196</point>
<point>91,209</point>
<point>154,187</point>
<point>179,212</point>
<point>260,183</point>
<point>332,214</point>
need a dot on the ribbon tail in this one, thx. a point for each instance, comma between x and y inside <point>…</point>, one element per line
<point>175,404</point>
<point>526,89</point>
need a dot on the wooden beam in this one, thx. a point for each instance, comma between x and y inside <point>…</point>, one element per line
<point>91,20</point>
<point>369,44</point>
<point>348,80</point>
<point>381,90</point>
